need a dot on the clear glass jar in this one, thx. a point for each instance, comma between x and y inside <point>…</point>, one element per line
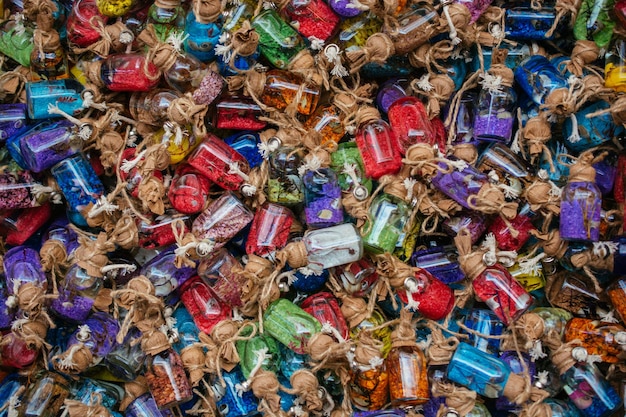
<point>333,246</point>
<point>495,115</point>
<point>167,380</point>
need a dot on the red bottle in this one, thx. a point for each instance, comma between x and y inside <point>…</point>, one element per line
<point>312,18</point>
<point>379,149</point>
<point>325,308</point>
<point>159,233</point>
<point>202,304</point>
<point>357,278</point>
<point>15,353</point>
<point>220,163</point>
<point>189,191</point>
<point>19,225</point>
<point>440,135</point>
<point>238,113</point>
<point>620,12</point>
<point>430,297</point>
<point>124,72</point>
<point>82,23</point>
<point>410,123</point>
<point>270,229</point>
<point>132,176</point>
<point>511,237</point>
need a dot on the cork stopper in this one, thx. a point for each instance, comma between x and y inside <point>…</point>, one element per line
<point>404,333</point>
<point>355,310</point>
<point>207,11</point>
<point>499,69</point>
<point>368,350</point>
<point>537,129</point>
<point>397,189</point>
<point>92,72</point>
<point>245,40</point>
<point>582,170</point>
<point>296,254</point>
<point>471,262</point>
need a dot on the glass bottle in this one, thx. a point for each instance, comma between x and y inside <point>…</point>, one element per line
<point>473,221</point>
<point>615,64</point>
<point>594,21</point>
<point>406,367</point>
<point>168,18</point>
<point>409,122</point>
<point>16,352</point>
<point>22,265</point>
<point>151,107</point>
<point>357,278</point>
<point>538,78</point>
<point>202,37</point>
<point>18,190</point>
<point>604,339</point>
<point>249,346</point>
<point>189,190</point>
<point>214,159</point>
<point>389,214</point>
<point>523,23</point>
<point>282,87</point>
<point>203,305</point>
<point>502,293</point>
<point>322,198</point>
<point>220,273</point>
<point>16,41</point>
<point>617,294</point>
<point>379,149</point>
<point>441,262</point>
<point>78,182</point>
<point>163,274</point>
<point>483,322</point>
<point>459,185</point>
<point>415,26</point>
<point>222,220</point>
<point>64,94</point>
<point>13,120</point>
<point>374,320</point>
<point>369,383</point>
<point>82,23</point>
<point>512,236</point>
<point>19,225</point>
<point>77,293</point>
<point>332,246</point>
<point>49,143</point>
<point>290,325</point>
<point>389,92</point>
<point>520,364</point>
<point>124,72</point>
<point>167,380</point>
<point>327,121</point>
<point>510,166</point>
<point>270,229</point>
<point>590,131</point>
<point>428,296</point>
<point>236,14</point>
<point>238,113</point>
<point>278,42</point>
<point>581,202</point>
<point>126,359</point>
<point>231,401</point>
<point>325,308</point>
<point>531,277</point>
<point>182,73</point>
<point>348,155</point>
<point>495,112</point>
<point>48,60</point>
<point>143,406</point>
<point>589,390</point>
<point>247,144</point>
<point>159,233</point>
<point>46,396</point>
<point>619,12</point>
<point>284,185</point>
<point>312,18</point>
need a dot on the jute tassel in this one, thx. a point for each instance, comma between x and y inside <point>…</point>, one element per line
<point>116,37</point>
<point>584,53</point>
<point>132,390</point>
<point>91,255</point>
<point>306,387</point>
<point>78,358</point>
<point>459,399</point>
<point>74,408</point>
<point>189,247</point>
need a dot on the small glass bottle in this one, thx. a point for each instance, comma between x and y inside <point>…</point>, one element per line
<point>167,380</point>
<point>229,399</point>
<point>64,94</point>
<point>18,190</point>
<point>48,60</point>
<point>389,214</point>
<point>590,131</point>
<point>214,159</point>
<point>278,42</point>
<point>202,36</point>
<point>77,293</point>
<point>290,325</point>
<point>78,182</point>
<point>247,144</point>
<point>249,346</point>
<point>484,322</point>
<point>168,18</point>
<point>409,122</point>
<point>495,110</point>
<point>189,190</point>
<point>594,21</point>
<point>357,278</point>
<point>617,294</point>
<point>369,383</point>
<point>82,23</point>
<point>124,72</point>
<point>222,220</point>
<point>332,246</point>
<point>49,143</point>
<point>589,390</point>
<point>459,185</point>
<point>325,308</point>
<point>525,23</point>
<point>581,202</point>
<point>348,155</point>
<point>163,274</point>
<point>389,92</point>
<point>238,113</point>
<point>441,262</point>
<point>379,149</point>
<point>46,397</point>
<point>322,198</point>
<point>414,28</point>
<point>284,185</point>
<point>151,107</point>
<point>538,78</point>
<point>406,366</point>
<point>312,18</point>
<point>143,406</point>
<point>606,340</point>
<point>428,296</point>
<point>220,272</point>
<point>327,121</point>
<point>512,236</point>
<point>519,363</point>
<point>270,229</point>
<point>510,166</point>
<point>22,265</point>
<point>572,292</point>
<point>282,87</point>
<point>126,359</point>
<point>203,305</point>
<point>16,40</point>
<point>615,64</point>
<point>13,120</point>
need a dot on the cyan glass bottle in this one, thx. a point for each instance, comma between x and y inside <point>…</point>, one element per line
<point>478,371</point>
<point>227,398</point>
<point>201,38</point>
<point>78,182</point>
<point>65,94</point>
<point>537,77</point>
<point>589,132</point>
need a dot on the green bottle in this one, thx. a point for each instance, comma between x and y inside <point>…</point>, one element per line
<point>594,22</point>
<point>249,351</point>
<point>278,42</point>
<point>16,41</point>
<point>347,163</point>
<point>290,325</point>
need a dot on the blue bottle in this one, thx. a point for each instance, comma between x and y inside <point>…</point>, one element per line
<point>478,371</point>
<point>188,332</point>
<point>556,168</point>
<point>202,38</point>
<point>227,399</point>
<point>587,388</point>
<point>8,389</point>
<point>590,132</point>
<point>441,262</point>
<point>309,281</point>
<point>538,78</point>
<point>523,23</point>
<point>110,394</point>
<point>246,143</point>
<point>561,408</point>
<point>78,182</point>
<point>49,143</point>
<point>516,54</point>
<point>66,94</point>
<point>485,322</point>
<point>13,120</point>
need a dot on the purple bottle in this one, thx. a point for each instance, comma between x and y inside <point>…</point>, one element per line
<point>441,262</point>
<point>77,294</point>
<point>346,8</point>
<point>322,198</point>
<point>7,314</point>
<point>98,337</point>
<point>21,266</point>
<point>581,202</point>
<point>389,92</point>
<point>460,184</point>
<point>60,231</point>
<point>165,277</point>
<point>513,360</point>
<point>473,221</point>
<point>49,143</point>
<point>13,120</point>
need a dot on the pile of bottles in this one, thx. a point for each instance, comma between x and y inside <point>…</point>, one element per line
<point>312,208</point>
